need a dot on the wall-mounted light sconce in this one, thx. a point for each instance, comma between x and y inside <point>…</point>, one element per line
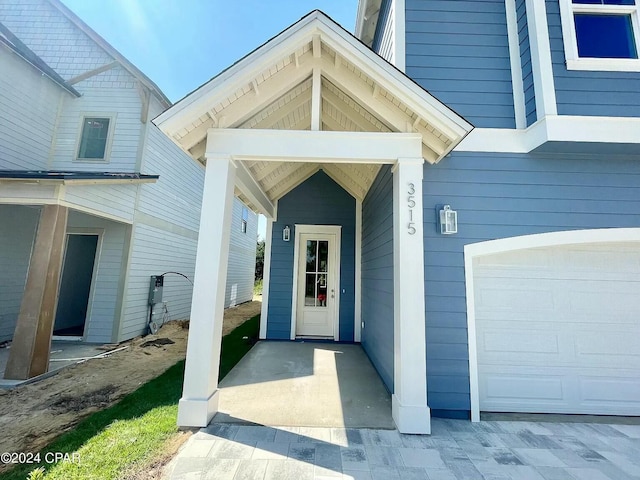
<point>448,219</point>
<point>286,233</point>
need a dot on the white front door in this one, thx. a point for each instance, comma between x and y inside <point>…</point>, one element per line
<point>317,283</point>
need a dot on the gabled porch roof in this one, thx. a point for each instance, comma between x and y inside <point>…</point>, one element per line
<point>313,76</point>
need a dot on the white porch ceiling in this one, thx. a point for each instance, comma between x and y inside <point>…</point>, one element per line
<point>313,76</point>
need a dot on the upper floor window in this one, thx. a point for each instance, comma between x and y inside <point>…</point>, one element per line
<point>94,138</point>
<point>601,34</point>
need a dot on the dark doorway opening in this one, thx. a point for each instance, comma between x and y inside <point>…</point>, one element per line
<point>75,285</point>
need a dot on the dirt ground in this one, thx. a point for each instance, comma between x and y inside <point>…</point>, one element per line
<point>32,415</point>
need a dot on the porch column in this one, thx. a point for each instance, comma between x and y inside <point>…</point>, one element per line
<point>29,353</point>
<point>199,401</point>
<point>409,400</point>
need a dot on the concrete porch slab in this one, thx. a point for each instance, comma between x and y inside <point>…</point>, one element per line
<point>62,354</point>
<point>305,384</point>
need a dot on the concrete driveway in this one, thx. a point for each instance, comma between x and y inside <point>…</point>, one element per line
<point>322,392</point>
<point>457,449</point>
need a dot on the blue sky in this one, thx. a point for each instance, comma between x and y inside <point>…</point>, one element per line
<point>180,44</point>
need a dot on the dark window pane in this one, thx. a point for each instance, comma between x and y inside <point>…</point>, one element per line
<point>605,36</point>
<point>312,255</point>
<point>94,138</point>
<point>323,255</point>
<point>310,291</point>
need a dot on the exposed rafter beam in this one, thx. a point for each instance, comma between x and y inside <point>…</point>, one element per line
<point>345,183</point>
<point>246,106</point>
<point>253,191</point>
<point>355,117</point>
<point>316,99</point>
<point>198,150</point>
<point>317,46</point>
<point>266,170</point>
<point>302,173</point>
<point>282,112</point>
<point>361,92</point>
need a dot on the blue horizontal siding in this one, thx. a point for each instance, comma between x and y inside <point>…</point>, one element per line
<point>500,196</point>
<point>317,201</point>
<point>525,61</point>
<point>377,275</point>
<point>459,52</point>
<point>610,94</point>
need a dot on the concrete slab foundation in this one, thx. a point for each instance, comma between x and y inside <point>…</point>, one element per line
<point>305,384</point>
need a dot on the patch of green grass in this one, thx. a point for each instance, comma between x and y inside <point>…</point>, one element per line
<point>128,436</point>
<point>257,287</point>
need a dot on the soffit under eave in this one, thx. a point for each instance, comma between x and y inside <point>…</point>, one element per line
<point>321,33</point>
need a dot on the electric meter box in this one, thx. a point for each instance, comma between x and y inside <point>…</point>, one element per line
<point>155,289</point>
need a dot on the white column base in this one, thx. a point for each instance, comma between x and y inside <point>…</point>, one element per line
<point>411,419</point>
<point>197,413</point>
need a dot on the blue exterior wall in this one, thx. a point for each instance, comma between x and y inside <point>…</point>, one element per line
<point>611,94</point>
<point>317,201</point>
<point>459,52</point>
<point>525,61</point>
<point>377,275</point>
<point>499,196</point>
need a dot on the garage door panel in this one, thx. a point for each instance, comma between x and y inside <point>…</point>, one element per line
<point>497,342</point>
<point>558,329</point>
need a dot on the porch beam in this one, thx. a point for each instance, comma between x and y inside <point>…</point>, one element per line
<point>409,400</point>
<point>253,191</point>
<point>200,394</point>
<point>29,353</point>
<point>316,147</point>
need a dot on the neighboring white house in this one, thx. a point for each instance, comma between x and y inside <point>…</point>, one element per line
<point>76,132</point>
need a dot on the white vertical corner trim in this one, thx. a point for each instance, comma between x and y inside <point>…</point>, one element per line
<point>504,245</point>
<point>316,100</point>
<point>266,275</point>
<point>409,408</point>
<point>357,314</point>
<point>471,337</point>
<point>336,232</point>
<point>541,65</point>
<point>516,64</point>
<point>399,35</point>
<point>199,400</point>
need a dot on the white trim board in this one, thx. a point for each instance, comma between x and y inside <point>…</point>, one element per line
<point>503,245</point>
<point>266,276</point>
<point>541,64</point>
<point>553,128</point>
<point>301,229</point>
<point>399,35</point>
<point>516,64</point>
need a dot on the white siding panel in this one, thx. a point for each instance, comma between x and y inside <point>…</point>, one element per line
<point>110,94</point>
<point>107,276</point>
<point>385,48</point>
<point>18,226</point>
<point>242,257</point>
<point>177,195</point>
<point>114,200</point>
<point>28,106</point>
<point>154,252</point>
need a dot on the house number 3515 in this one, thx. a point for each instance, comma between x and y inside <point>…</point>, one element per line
<point>411,228</point>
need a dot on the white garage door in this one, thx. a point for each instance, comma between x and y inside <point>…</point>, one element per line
<point>558,329</point>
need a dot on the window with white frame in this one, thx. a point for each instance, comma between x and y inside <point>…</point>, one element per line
<point>245,219</point>
<point>95,135</point>
<point>601,34</point>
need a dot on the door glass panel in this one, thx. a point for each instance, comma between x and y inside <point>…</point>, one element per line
<point>315,288</point>
<point>312,255</point>
<point>310,295</point>
<point>323,255</point>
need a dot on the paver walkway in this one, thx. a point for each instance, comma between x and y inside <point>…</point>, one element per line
<point>456,450</point>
